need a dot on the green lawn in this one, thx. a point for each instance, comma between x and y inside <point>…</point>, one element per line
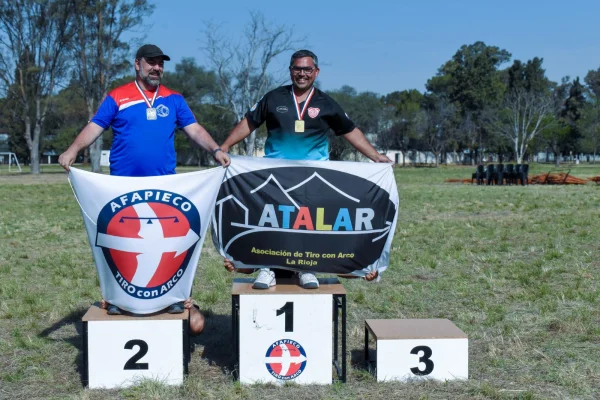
<point>516,268</point>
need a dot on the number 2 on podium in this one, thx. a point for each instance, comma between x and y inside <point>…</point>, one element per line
<point>133,363</point>
<point>288,310</point>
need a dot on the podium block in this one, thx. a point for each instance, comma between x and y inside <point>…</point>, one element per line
<point>121,350</point>
<point>417,348</point>
<point>287,333</point>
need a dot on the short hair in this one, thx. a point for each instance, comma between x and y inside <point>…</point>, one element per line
<point>304,53</point>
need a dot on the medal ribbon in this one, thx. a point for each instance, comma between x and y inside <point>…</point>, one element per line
<point>148,102</point>
<point>301,114</point>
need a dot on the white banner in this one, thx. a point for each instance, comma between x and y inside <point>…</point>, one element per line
<point>318,216</point>
<point>146,233</point>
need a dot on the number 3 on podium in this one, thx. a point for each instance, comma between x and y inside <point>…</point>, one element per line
<point>425,359</point>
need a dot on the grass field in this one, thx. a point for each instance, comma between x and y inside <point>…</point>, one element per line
<point>516,268</point>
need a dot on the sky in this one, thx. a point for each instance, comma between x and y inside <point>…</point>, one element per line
<point>383,45</point>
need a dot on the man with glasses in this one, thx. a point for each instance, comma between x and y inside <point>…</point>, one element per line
<point>298,117</point>
<point>144,116</point>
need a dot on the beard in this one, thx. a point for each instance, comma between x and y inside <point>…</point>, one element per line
<point>151,80</point>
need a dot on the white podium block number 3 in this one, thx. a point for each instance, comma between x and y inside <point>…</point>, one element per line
<point>132,363</point>
<point>424,354</point>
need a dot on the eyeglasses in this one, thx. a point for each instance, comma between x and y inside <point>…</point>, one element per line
<point>306,70</point>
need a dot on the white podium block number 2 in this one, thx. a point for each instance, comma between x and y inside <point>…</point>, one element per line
<point>122,353</point>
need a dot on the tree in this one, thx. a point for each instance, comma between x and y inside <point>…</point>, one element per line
<point>243,69</point>
<point>11,123</point>
<point>572,113</point>
<point>436,124</point>
<point>403,127</point>
<point>591,120</point>
<point>527,106</point>
<point>366,111</point>
<point>590,127</point>
<point>34,36</point>
<point>99,53</point>
<point>66,119</point>
<point>556,134</point>
<point>471,81</point>
<point>199,87</point>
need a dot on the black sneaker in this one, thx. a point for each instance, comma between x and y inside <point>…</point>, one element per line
<point>113,310</point>
<point>176,308</point>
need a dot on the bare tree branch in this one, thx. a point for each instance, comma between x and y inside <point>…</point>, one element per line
<point>523,115</point>
<point>243,69</point>
<point>33,39</point>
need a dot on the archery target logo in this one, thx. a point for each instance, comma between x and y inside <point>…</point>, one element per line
<point>147,238</point>
<point>285,359</point>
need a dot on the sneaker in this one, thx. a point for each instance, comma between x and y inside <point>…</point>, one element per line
<point>113,310</point>
<point>308,280</point>
<point>176,308</point>
<point>265,279</point>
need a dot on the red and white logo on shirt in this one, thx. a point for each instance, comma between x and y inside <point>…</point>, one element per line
<point>313,112</point>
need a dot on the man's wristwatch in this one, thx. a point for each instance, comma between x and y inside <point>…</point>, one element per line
<point>215,151</point>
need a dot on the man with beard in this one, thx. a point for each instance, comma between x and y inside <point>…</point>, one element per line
<point>144,116</point>
<point>298,119</point>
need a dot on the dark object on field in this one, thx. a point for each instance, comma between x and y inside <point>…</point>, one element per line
<point>490,174</point>
<point>522,174</point>
<point>509,174</point>
<point>478,175</point>
<point>516,174</point>
<point>499,177</point>
<point>553,177</point>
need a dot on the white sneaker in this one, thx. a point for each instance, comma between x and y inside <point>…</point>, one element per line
<point>265,279</point>
<point>308,280</point>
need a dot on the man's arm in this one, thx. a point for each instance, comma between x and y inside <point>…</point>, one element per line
<point>203,139</point>
<point>239,133</point>
<point>357,139</point>
<point>87,136</point>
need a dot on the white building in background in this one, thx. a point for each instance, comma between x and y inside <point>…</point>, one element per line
<point>105,158</point>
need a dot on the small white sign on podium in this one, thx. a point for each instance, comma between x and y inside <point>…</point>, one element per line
<point>418,348</point>
<point>286,332</point>
<point>121,350</point>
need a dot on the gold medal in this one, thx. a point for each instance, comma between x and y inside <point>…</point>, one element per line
<point>299,123</point>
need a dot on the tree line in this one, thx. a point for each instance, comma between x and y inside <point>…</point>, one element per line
<point>59,59</point>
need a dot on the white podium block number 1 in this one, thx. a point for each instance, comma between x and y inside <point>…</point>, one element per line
<point>285,337</point>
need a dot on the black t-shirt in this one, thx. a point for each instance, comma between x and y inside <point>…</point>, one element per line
<point>278,110</point>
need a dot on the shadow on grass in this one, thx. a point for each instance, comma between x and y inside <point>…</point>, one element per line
<point>217,341</point>
<point>358,363</point>
<point>74,318</point>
